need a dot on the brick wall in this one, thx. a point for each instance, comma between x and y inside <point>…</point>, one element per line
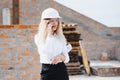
<point>93,32</point>
<point>115,30</point>
<point>117,51</point>
<point>19,59</point>
<point>31,13</point>
<point>95,45</point>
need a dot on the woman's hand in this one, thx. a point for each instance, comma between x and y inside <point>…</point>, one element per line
<point>58,58</point>
<point>50,30</point>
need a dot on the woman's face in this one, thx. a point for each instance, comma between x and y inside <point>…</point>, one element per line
<point>53,22</point>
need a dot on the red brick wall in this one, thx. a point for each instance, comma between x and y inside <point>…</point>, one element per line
<point>31,13</point>
<point>19,58</point>
<point>115,30</point>
<point>117,51</point>
<point>18,54</point>
<point>95,45</point>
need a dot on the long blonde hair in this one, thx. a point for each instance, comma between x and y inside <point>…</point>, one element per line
<point>42,33</point>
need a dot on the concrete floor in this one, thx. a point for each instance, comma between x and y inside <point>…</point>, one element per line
<point>85,77</point>
<point>99,64</point>
<point>112,63</point>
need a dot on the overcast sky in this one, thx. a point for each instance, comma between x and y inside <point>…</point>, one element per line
<point>103,11</point>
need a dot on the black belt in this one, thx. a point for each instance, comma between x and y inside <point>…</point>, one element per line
<point>53,64</point>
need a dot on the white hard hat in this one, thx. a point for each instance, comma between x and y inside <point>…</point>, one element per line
<point>50,13</point>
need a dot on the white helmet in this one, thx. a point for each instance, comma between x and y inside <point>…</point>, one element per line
<point>50,13</point>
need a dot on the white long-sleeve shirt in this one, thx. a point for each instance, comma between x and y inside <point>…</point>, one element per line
<point>52,47</point>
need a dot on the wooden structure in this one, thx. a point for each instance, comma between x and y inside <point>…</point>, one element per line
<point>73,38</point>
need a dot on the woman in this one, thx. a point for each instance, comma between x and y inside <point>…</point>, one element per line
<point>51,44</point>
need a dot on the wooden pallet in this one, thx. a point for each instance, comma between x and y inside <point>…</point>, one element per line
<point>73,38</point>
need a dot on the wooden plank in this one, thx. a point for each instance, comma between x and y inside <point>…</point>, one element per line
<point>85,60</point>
<point>75,48</point>
<point>69,32</point>
<point>73,68</point>
<point>73,64</point>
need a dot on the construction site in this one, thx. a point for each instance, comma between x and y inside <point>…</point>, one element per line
<point>95,53</point>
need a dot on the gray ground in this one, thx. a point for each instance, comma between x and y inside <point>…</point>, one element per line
<point>100,64</point>
<point>85,77</point>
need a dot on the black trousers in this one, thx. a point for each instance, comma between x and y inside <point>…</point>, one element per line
<point>54,72</point>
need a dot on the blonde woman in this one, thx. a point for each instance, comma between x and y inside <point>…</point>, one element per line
<point>52,47</point>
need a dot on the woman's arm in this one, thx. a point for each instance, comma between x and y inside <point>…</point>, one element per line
<point>58,58</point>
<point>66,49</point>
<point>64,56</point>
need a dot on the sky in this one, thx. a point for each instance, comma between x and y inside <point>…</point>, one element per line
<point>106,12</point>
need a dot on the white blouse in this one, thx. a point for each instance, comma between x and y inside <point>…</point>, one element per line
<point>52,47</point>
